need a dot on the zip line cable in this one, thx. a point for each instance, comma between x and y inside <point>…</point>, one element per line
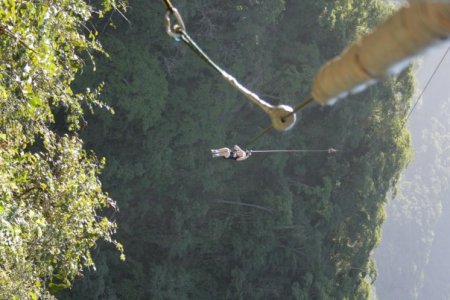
<point>301,106</point>
<point>426,85</point>
<point>260,135</point>
<point>330,150</point>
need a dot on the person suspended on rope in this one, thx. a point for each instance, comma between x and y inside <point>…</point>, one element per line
<point>236,153</point>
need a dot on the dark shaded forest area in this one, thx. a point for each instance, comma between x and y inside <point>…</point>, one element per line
<point>278,226</point>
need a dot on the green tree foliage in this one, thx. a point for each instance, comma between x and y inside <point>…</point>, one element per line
<point>50,194</point>
<point>276,226</point>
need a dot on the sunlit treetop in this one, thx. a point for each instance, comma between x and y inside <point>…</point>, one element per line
<point>50,194</point>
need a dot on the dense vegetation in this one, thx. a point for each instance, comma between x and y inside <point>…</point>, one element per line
<point>273,227</point>
<point>50,194</point>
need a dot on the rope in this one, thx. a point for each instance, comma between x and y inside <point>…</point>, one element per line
<point>259,135</point>
<point>253,97</point>
<point>190,42</point>
<point>168,5</point>
<point>281,151</point>
<point>426,86</point>
<point>197,50</point>
<point>330,150</point>
<point>301,106</point>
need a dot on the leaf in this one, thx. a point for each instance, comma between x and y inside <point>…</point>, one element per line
<point>33,296</point>
<point>36,101</point>
<point>57,287</point>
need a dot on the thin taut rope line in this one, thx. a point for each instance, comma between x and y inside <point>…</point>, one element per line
<point>426,85</point>
<point>303,150</point>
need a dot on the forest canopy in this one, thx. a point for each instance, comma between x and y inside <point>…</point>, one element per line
<point>278,226</point>
<point>273,227</point>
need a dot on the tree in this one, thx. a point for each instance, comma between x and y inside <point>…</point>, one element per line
<point>50,195</point>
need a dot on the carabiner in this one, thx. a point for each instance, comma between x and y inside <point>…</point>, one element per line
<point>177,29</point>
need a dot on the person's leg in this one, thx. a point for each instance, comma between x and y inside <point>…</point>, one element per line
<point>223,152</point>
<point>216,154</point>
